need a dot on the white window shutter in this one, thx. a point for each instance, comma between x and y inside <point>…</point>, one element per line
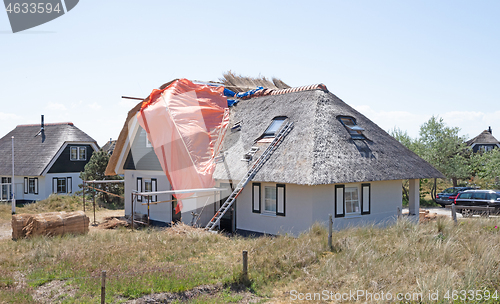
<point>139,188</point>
<point>339,200</point>
<point>36,185</point>
<point>280,199</point>
<point>256,197</point>
<point>26,185</point>
<point>69,186</point>
<point>365,198</point>
<point>154,189</point>
<point>54,185</point>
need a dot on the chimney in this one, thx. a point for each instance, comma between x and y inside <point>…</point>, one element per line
<point>42,126</point>
<point>489,130</point>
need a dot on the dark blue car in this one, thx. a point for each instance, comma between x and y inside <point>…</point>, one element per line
<point>449,194</point>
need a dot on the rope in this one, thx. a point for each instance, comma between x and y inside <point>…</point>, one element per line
<point>106,192</point>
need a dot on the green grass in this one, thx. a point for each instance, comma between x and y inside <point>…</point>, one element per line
<point>403,257</point>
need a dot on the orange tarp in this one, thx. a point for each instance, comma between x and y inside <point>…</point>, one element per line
<point>185,123</point>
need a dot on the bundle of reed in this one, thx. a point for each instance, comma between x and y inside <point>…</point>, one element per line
<point>57,223</point>
<point>19,221</point>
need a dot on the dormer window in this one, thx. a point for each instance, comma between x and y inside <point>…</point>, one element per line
<point>78,153</point>
<point>351,126</point>
<point>274,127</point>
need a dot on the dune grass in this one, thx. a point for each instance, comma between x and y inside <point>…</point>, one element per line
<point>401,258</point>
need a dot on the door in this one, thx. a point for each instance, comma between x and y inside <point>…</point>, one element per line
<point>227,222</point>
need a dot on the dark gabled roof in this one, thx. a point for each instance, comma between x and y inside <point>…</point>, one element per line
<point>109,147</point>
<point>32,155</point>
<point>484,138</point>
<point>319,149</point>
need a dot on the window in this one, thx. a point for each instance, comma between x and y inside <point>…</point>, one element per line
<point>78,153</point>
<point>274,126</point>
<point>270,199</point>
<point>352,201</point>
<point>354,130</point>
<point>6,188</point>
<point>59,185</point>
<point>31,185</point>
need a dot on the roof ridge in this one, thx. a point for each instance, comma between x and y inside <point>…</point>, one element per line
<point>267,92</point>
<point>47,124</point>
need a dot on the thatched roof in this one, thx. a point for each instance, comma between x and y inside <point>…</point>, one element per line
<point>486,137</point>
<point>32,155</point>
<point>319,150</point>
<point>238,83</point>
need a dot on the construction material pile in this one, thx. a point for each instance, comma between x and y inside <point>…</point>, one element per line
<point>50,224</point>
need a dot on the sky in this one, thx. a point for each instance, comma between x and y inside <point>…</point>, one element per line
<point>397,62</point>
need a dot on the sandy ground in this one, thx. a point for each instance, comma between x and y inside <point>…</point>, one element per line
<point>6,229</point>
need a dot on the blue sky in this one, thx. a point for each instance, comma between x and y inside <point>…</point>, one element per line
<point>398,62</point>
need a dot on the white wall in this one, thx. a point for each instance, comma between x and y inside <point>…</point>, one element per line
<point>308,204</point>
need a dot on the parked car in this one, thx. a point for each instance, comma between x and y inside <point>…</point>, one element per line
<point>449,194</point>
<point>490,198</point>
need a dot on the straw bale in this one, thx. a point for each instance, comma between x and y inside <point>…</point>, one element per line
<point>19,221</point>
<point>57,223</point>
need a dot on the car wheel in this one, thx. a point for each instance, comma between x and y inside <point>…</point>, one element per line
<point>466,213</point>
<point>443,205</point>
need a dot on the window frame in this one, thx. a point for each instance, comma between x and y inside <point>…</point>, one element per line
<point>347,189</point>
<point>139,188</point>
<point>55,185</point>
<point>267,133</point>
<point>354,133</point>
<point>78,150</point>
<point>272,204</point>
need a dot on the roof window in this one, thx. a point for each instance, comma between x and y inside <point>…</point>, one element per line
<point>353,129</point>
<point>274,127</point>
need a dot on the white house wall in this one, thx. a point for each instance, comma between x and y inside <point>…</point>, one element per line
<point>306,205</point>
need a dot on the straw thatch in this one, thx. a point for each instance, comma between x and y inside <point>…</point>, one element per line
<point>319,150</point>
<point>238,83</point>
<point>19,221</point>
<point>486,137</point>
<point>50,224</point>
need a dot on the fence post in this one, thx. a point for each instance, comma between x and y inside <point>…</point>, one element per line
<point>399,213</point>
<point>454,213</point>
<point>330,232</point>
<point>103,287</point>
<point>245,265</point>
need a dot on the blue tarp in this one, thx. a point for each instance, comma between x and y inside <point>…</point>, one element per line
<point>232,102</point>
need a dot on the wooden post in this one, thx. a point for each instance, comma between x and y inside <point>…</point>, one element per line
<point>399,213</point>
<point>132,203</point>
<point>103,287</point>
<point>453,213</point>
<point>148,210</point>
<point>330,231</point>
<point>245,265</point>
<point>93,200</point>
<point>83,196</point>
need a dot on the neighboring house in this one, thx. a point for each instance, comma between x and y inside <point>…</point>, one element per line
<point>484,142</point>
<point>334,161</point>
<point>109,147</point>
<point>48,159</point>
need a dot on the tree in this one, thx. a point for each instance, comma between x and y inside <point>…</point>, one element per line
<point>486,166</point>
<point>441,146</point>
<point>95,170</point>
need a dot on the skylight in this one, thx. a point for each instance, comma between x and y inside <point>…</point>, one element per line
<point>274,127</point>
<point>353,129</point>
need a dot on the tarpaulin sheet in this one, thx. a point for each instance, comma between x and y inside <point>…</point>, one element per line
<point>186,123</point>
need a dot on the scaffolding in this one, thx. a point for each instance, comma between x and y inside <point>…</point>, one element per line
<point>149,202</point>
<point>86,184</point>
